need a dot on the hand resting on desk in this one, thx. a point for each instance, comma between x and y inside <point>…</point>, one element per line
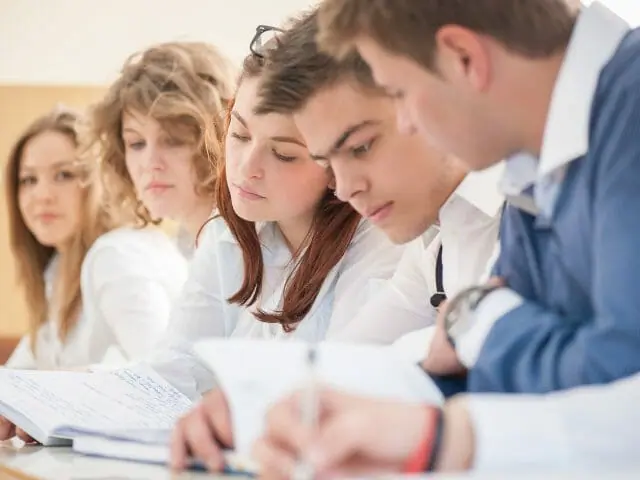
<point>8,430</point>
<point>203,433</point>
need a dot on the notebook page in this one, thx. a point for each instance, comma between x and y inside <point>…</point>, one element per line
<point>278,368</point>
<point>129,398</point>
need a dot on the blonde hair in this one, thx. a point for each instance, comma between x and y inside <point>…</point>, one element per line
<point>32,257</point>
<point>186,87</point>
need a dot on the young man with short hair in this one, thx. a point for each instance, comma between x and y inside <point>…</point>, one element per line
<point>486,80</point>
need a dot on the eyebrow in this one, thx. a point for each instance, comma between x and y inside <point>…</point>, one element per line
<point>342,139</point>
<point>63,163</point>
<point>277,138</point>
<point>239,118</point>
<point>130,129</point>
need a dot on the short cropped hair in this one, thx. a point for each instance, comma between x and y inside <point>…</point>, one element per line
<point>532,28</point>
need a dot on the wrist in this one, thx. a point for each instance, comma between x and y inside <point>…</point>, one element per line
<point>458,439</point>
<point>425,456</point>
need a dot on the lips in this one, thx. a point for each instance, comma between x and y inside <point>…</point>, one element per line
<point>378,213</point>
<point>158,186</point>
<point>248,192</point>
<point>47,217</point>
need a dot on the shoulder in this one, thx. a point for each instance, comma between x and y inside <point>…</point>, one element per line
<point>369,241</point>
<point>126,250</point>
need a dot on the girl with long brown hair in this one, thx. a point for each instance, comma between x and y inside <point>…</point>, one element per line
<point>158,132</point>
<point>93,285</point>
<point>284,259</point>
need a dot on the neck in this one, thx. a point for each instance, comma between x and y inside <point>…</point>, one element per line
<point>197,217</point>
<point>456,173</point>
<point>536,80</point>
<point>295,232</point>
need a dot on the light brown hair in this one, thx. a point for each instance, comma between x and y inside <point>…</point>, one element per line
<point>331,233</point>
<point>31,257</point>
<point>294,74</point>
<point>186,87</point>
<point>535,29</point>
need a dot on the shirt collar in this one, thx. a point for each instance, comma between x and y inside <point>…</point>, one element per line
<point>596,37</point>
<point>480,189</point>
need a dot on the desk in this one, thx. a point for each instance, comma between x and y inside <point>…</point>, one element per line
<point>60,463</point>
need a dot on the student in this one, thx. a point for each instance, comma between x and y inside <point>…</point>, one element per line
<point>572,102</point>
<point>159,133</point>
<point>91,283</point>
<point>568,314</point>
<point>375,167</point>
<point>403,185</point>
<point>285,259</point>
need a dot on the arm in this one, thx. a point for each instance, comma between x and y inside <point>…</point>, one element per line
<point>401,305</point>
<point>129,294</point>
<point>369,263</point>
<point>199,313</point>
<point>518,345</point>
<point>593,427</point>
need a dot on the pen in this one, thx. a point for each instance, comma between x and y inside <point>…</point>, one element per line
<point>309,411</point>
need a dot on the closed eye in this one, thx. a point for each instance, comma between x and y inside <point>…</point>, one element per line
<point>284,158</point>
<point>240,138</point>
<point>361,150</point>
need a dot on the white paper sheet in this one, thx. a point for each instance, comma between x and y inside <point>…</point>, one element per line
<point>254,374</point>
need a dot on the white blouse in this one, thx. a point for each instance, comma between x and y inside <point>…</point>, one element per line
<point>129,280</point>
<point>216,273</point>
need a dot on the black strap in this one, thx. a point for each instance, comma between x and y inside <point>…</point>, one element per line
<point>438,297</point>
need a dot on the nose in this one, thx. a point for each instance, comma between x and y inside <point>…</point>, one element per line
<point>250,164</point>
<point>404,120</point>
<point>349,179</point>
<point>154,159</point>
<point>44,191</point>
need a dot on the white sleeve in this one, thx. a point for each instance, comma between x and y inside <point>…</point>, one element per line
<point>198,313</point>
<point>589,427</point>
<point>22,356</point>
<point>130,297</point>
<point>402,305</point>
<point>368,265</point>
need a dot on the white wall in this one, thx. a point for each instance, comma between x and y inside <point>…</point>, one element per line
<point>86,41</point>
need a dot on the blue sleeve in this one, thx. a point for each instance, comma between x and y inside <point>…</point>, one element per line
<point>532,349</point>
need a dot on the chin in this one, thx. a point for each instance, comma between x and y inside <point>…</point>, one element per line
<point>249,214</point>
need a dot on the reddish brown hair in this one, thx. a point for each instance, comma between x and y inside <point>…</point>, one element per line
<point>328,240</point>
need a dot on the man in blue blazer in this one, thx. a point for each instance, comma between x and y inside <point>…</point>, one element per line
<point>558,94</point>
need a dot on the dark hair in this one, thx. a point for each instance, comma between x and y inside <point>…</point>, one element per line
<point>533,28</point>
<point>297,69</point>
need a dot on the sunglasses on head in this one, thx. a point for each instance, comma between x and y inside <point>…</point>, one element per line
<point>263,36</point>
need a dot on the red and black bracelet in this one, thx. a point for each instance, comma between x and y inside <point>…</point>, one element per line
<point>425,456</point>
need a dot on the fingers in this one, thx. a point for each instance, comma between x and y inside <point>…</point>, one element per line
<point>7,429</point>
<point>194,434</point>
<point>220,417</point>
<point>24,436</point>
<point>275,462</point>
<point>342,438</point>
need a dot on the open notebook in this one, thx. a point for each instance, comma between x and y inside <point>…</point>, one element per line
<point>129,413</point>
<point>52,406</point>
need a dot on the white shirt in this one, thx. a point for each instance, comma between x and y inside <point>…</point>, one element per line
<point>129,280</point>
<point>216,273</point>
<point>468,232</point>
<point>585,428</point>
<point>596,36</point>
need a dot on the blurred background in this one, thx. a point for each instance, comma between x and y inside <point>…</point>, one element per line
<point>67,51</point>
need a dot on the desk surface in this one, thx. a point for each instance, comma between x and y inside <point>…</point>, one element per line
<point>60,463</point>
